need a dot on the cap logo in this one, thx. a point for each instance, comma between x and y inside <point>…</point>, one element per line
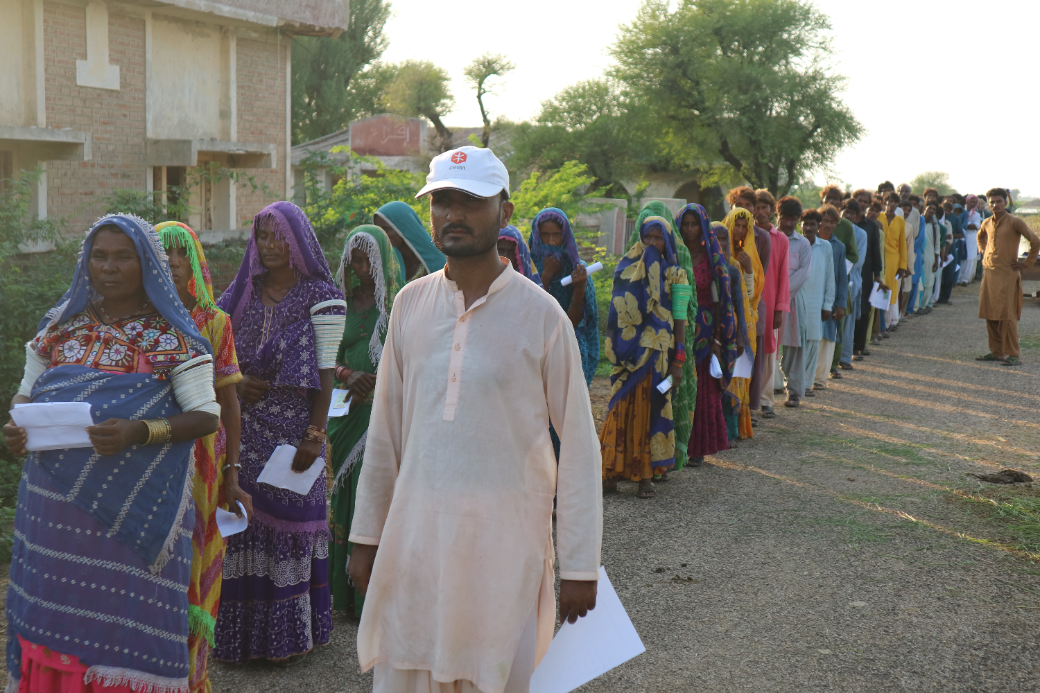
<point>458,158</point>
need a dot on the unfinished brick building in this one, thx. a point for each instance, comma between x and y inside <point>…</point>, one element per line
<point>140,93</point>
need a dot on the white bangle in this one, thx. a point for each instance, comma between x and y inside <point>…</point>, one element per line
<point>193,386</point>
<point>35,365</point>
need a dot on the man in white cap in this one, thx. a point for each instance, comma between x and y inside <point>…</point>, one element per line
<point>452,530</point>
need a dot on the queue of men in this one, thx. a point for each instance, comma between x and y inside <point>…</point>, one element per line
<point>843,277</point>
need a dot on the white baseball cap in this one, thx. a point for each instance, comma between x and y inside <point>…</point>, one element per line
<point>473,170</point>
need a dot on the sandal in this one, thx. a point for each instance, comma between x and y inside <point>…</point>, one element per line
<point>1012,361</point>
<point>660,477</point>
<point>646,489</point>
<point>696,462</point>
<point>768,413</point>
<point>989,357</point>
<point>846,366</point>
<point>610,486</point>
<point>792,403</point>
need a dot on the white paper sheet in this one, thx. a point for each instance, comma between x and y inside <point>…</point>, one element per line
<point>665,385</point>
<point>278,471</point>
<point>229,523</point>
<point>880,299</point>
<point>591,269</point>
<point>340,405</point>
<point>54,425</point>
<point>742,368</point>
<point>848,266</point>
<point>949,259</point>
<point>585,650</point>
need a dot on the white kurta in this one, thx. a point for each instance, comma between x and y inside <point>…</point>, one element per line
<point>817,293</point>
<point>459,476</point>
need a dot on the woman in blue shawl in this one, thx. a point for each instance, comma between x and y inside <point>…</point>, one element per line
<point>99,592</point>
<point>555,255</point>
<point>513,247</point>
<point>716,333</point>
<point>417,254</point>
<point>646,332</point>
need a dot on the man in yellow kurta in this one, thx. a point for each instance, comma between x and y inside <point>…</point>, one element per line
<point>1000,300</point>
<point>895,254</point>
<point>453,528</point>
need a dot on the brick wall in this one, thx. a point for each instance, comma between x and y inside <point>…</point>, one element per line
<point>261,116</point>
<point>115,119</point>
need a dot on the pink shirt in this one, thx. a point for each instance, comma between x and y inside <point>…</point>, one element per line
<point>777,292</point>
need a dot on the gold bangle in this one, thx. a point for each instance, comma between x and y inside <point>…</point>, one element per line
<point>159,431</point>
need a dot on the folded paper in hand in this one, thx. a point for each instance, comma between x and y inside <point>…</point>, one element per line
<point>340,405</point>
<point>665,385</point>
<point>229,523</point>
<point>715,368</point>
<point>591,269</point>
<point>880,299</point>
<point>279,472</point>
<point>848,266</point>
<point>585,650</point>
<point>54,425</point>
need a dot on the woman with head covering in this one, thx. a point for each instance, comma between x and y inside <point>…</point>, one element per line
<point>418,255</point>
<point>731,395</point>
<point>98,593</point>
<point>555,255</point>
<point>370,278</point>
<point>685,395</point>
<point>216,456</point>
<point>645,344</point>
<point>716,331</point>
<point>288,318</point>
<point>513,247</point>
<point>743,257</point>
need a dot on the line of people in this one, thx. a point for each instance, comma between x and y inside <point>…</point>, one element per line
<point>120,580</point>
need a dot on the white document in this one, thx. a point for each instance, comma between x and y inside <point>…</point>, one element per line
<point>848,266</point>
<point>715,368</point>
<point>742,368</point>
<point>585,650</point>
<point>591,269</point>
<point>665,385</point>
<point>340,405</point>
<point>949,259</point>
<point>278,471</point>
<point>54,425</point>
<point>880,299</point>
<point>229,523</point>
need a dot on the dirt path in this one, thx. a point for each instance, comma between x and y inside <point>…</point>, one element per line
<point>837,551</point>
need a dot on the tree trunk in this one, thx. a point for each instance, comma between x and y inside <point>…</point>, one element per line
<point>444,138</point>
<point>485,136</point>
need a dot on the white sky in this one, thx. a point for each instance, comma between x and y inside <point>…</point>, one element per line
<point>922,75</point>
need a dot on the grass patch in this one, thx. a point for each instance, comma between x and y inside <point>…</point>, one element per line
<point>856,531</point>
<point>1017,512</point>
<point>1030,341</point>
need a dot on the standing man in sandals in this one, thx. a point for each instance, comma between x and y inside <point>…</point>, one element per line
<point>453,528</point>
<point>1000,300</point>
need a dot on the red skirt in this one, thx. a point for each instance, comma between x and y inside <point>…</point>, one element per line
<point>47,671</point>
<point>709,425</point>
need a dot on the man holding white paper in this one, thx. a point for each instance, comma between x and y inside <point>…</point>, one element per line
<point>453,528</point>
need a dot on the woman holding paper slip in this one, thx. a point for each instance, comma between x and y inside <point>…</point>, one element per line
<point>216,456</point>
<point>645,342</point>
<point>288,319</point>
<point>716,331</point>
<point>98,595</point>
<point>370,278</point>
<point>743,257</point>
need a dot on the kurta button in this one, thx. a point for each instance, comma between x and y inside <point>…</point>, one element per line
<point>462,319</point>
<point>452,380</point>
<point>457,347</point>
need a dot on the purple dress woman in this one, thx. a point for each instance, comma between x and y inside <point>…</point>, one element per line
<point>275,599</point>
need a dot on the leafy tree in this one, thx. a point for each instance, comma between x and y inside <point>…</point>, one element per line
<point>478,73</point>
<point>420,89</point>
<point>330,85</point>
<point>940,180</point>
<point>741,81</point>
<point>597,123</point>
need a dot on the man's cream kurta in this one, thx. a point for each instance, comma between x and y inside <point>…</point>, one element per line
<point>459,476</point>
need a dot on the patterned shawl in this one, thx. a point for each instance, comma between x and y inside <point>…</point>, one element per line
<point>587,331</point>
<point>174,234</point>
<point>654,208</point>
<point>523,254</point>
<point>305,255</point>
<point>386,274</point>
<point>750,306</point>
<point>410,228</point>
<point>705,317</point>
<point>639,339</point>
